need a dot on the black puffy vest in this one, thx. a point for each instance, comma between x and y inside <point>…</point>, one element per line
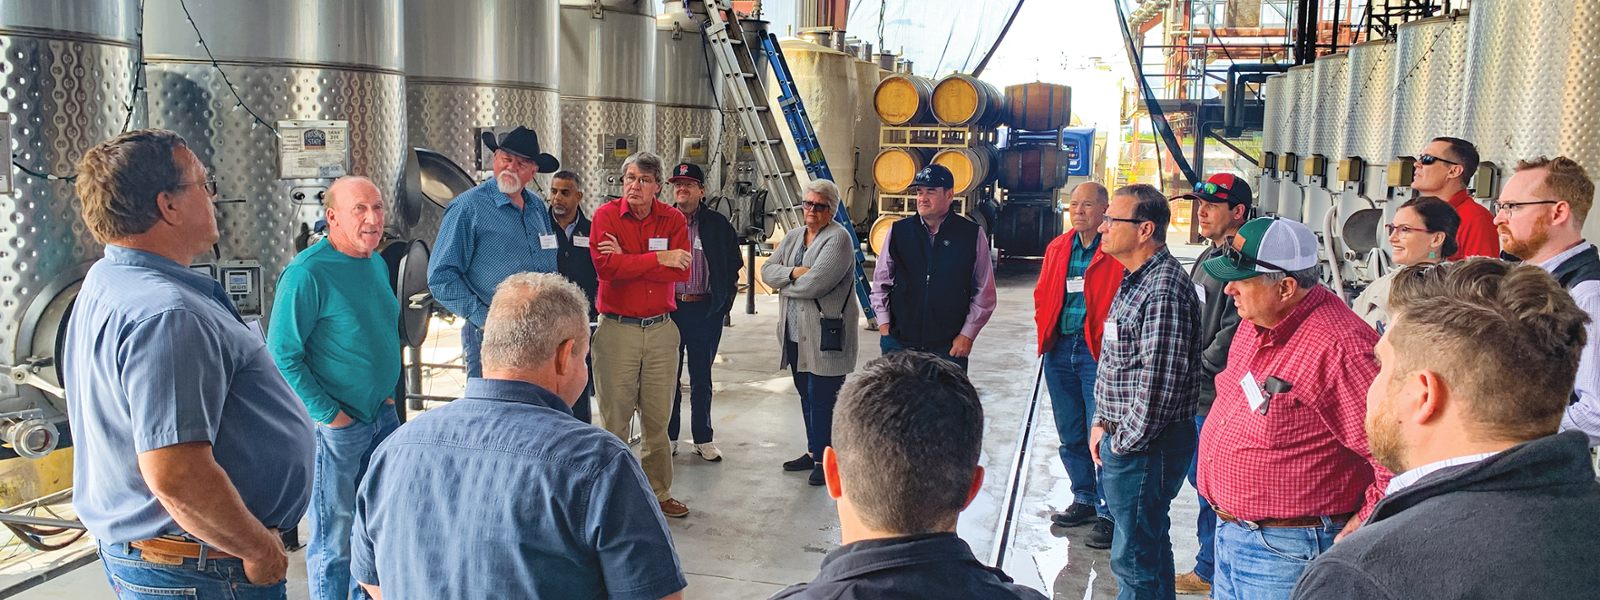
<point>1584,266</point>
<point>932,283</point>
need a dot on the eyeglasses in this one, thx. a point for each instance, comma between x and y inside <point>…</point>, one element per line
<point>1428,159</point>
<point>815,206</point>
<point>1214,189</point>
<point>1510,208</point>
<point>1245,262</point>
<point>210,185</point>
<point>1134,221</point>
<point>1404,229</point>
<point>630,180</point>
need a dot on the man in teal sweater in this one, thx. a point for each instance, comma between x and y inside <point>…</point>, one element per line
<point>334,333</point>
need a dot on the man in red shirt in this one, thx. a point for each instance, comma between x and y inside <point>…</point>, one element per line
<point>640,250</point>
<point>1443,170</point>
<point>1283,454</point>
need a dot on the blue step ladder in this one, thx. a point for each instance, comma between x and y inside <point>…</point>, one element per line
<point>747,95</point>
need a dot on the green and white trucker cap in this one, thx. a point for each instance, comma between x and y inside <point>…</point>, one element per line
<point>1270,245</point>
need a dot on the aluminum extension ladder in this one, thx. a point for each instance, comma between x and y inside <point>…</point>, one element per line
<point>747,93</point>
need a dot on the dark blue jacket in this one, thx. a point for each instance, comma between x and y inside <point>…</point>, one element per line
<point>925,567</point>
<point>574,262</point>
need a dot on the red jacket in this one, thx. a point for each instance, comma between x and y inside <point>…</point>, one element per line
<point>1100,283</point>
<point>1477,235</point>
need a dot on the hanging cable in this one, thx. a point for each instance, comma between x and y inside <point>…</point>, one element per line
<point>1158,118</point>
<point>138,71</point>
<point>1012,19</point>
<point>238,100</point>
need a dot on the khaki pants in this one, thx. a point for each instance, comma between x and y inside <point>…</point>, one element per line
<point>636,368</point>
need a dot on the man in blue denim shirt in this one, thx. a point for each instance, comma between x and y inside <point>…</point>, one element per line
<point>193,452</point>
<point>490,232</point>
<point>541,505</point>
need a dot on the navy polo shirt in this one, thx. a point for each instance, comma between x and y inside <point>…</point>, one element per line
<point>503,494</point>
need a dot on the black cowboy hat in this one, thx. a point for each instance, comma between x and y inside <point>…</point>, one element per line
<point>522,142</point>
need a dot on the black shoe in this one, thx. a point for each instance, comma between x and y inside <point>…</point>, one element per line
<point>1075,515</point>
<point>1101,536</point>
<point>804,463</point>
<point>816,476</point>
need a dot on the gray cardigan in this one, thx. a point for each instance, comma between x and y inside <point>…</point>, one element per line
<point>830,281</point>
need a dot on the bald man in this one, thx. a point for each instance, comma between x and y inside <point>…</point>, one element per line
<point>333,335</point>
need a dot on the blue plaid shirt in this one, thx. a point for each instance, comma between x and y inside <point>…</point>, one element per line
<point>483,240</point>
<point>1073,309</point>
<point>1150,356</point>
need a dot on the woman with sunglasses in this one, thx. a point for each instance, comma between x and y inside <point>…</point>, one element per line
<point>812,270</point>
<point>1423,233</point>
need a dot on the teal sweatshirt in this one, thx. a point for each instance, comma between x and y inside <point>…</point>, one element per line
<point>335,332</point>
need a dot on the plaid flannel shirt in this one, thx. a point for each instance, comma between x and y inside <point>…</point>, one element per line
<point>1150,354</point>
<point>1073,308</point>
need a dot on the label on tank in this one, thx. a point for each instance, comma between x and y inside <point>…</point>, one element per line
<point>313,149</point>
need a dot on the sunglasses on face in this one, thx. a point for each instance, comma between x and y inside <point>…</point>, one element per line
<point>1244,262</point>
<point>1404,229</point>
<point>1428,159</point>
<point>815,206</point>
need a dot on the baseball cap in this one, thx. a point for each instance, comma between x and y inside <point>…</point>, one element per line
<point>1271,245</point>
<point>935,176</point>
<point>688,171</point>
<point>1223,187</point>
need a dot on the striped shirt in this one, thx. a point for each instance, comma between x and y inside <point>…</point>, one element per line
<point>1150,355</point>
<point>1073,308</point>
<point>699,283</point>
<point>483,240</point>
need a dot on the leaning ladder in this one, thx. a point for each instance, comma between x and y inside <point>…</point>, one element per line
<point>747,93</point>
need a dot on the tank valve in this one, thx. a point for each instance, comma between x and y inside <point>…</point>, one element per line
<point>30,437</point>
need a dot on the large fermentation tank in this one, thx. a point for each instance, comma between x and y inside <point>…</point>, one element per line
<point>1533,74</point>
<point>68,80</point>
<point>608,90</point>
<point>1275,133</point>
<point>690,125</point>
<point>506,77</point>
<point>1291,191</point>
<point>1369,108</point>
<point>1432,56</point>
<point>1330,81</point>
<point>829,86</point>
<point>325,73</point>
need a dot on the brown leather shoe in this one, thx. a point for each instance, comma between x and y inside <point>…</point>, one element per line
<point>673,508</point>
<point>1189,583</point>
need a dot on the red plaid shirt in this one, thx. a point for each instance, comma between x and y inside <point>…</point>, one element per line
<point>1308,455</point>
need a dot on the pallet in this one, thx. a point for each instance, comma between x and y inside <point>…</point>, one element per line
<point>934,136</point>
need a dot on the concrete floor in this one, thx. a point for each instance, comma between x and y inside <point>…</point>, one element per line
<point>754,529</point>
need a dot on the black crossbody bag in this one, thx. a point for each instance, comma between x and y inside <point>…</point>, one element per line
<point>832,339</point>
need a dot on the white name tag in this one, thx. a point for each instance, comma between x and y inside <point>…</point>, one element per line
<point>658,244</point>
<point>1252,391</point>
<point>697,245</point>
<point>548,242</point>
<point>581,241</point>
<point>1111,331</point>
<point>1200,290</point>
<point>1075,286</point>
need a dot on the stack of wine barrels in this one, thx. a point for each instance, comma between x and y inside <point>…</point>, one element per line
<point>1035,168</point>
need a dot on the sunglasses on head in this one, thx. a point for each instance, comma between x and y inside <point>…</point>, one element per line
<point>1245,262</point>
<point>1428,159</point>
<point>1214,189</point>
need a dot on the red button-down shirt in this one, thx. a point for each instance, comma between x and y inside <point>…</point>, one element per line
<point>1308,455</point>
<point>1477,235</point>
<point>633,283</point>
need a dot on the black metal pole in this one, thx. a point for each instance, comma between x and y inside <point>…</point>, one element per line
<point>414,378</point>
<point>750,280</point>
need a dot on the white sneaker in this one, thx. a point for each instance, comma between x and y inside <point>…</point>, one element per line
<point>674,447</point>
<point>707,451</point>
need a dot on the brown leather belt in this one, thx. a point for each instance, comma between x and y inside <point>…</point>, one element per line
<point>1278,523</point>
<point>693,297</point>
<point>169,551</point>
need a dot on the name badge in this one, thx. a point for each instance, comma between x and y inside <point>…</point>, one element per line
<point>697,245</point>
<point>1075,285</point>
<point>548,242</point>
<point>1111,331</point>
<point>1200,290</point>
<point>1252,391</point>
<point>658,244</point>
<point>581,241</point>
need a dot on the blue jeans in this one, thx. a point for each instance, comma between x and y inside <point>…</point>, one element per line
<point>342,456</point>
<point>1265,563</point>
<point>700,332</point>
<point>472,348</point>
<point>887,344</point>
<point>818,393</point>
<point>1069,372</point>
<point>1206,523</point>
<point>1139,488</point>
<point>216,579</point>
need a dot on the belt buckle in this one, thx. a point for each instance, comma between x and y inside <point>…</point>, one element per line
<point>648,322</point>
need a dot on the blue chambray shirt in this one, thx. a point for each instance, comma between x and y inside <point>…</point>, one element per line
<point>483,240</point>
<point>156,355</point>
<point>503,494</point>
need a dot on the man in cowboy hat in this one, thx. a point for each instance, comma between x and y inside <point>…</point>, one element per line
<point>491,232</point>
